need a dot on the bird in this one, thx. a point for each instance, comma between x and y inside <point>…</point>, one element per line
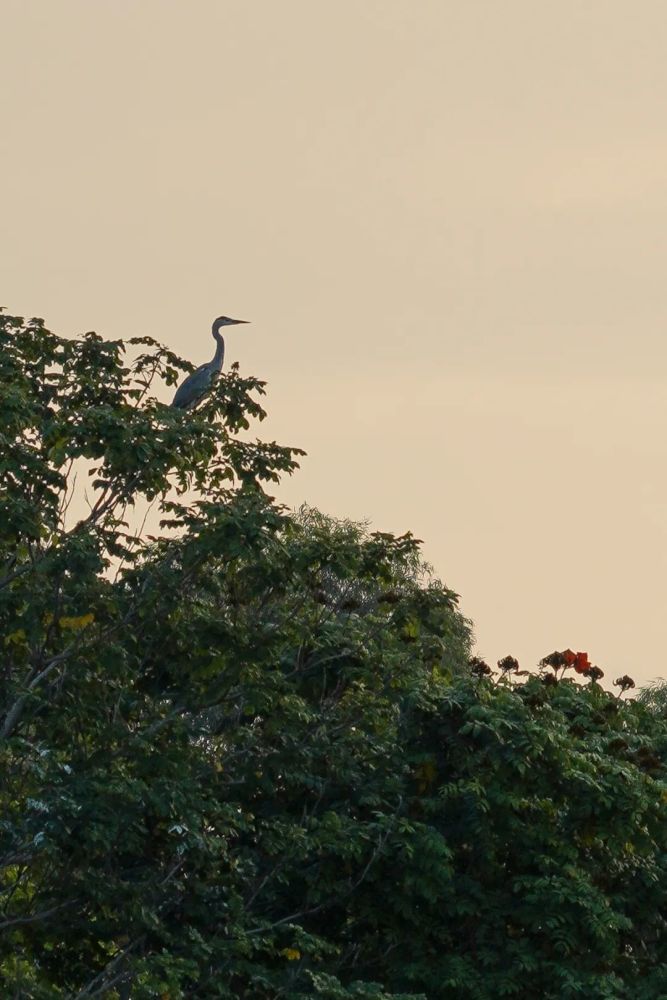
<point>193,389</point>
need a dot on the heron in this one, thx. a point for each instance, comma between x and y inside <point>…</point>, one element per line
<point>193,389</point>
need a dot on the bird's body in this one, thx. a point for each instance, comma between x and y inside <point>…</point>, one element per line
<point>193,389</point>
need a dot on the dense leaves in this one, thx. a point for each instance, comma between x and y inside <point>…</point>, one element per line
<point>252,758</point>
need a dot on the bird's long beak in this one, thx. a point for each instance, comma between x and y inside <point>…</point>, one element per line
<point>241,320</point>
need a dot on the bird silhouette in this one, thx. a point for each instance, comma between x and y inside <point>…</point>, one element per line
<point>193,389</point>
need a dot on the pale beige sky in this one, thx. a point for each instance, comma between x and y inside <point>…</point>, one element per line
<point>447,222</point>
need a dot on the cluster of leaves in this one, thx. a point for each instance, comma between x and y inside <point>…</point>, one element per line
<point>258,761</point>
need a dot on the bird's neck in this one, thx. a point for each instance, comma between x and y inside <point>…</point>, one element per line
<point>220,350</point>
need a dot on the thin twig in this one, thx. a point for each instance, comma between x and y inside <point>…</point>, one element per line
<point>33,918</point>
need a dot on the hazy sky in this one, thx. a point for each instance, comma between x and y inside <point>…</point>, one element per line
<point>447,221</point>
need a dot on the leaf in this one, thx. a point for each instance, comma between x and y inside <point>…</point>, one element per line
<point>76,624</point>
<point>291,954</point>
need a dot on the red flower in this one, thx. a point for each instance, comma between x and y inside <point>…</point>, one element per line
<point>569,657</point>
<point>581,663</point>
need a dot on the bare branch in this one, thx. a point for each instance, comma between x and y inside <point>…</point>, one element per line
<point>35,917</point>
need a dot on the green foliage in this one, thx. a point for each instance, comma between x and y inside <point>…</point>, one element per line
<point>254,761</point>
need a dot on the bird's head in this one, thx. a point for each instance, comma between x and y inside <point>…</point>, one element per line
<point>226,321</point>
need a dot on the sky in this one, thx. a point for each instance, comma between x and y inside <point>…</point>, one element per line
<point>447,223</point>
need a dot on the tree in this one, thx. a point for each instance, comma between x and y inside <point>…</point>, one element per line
<point>252,758</point>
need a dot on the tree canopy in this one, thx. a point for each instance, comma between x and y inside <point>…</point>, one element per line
<point>251,756</point>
